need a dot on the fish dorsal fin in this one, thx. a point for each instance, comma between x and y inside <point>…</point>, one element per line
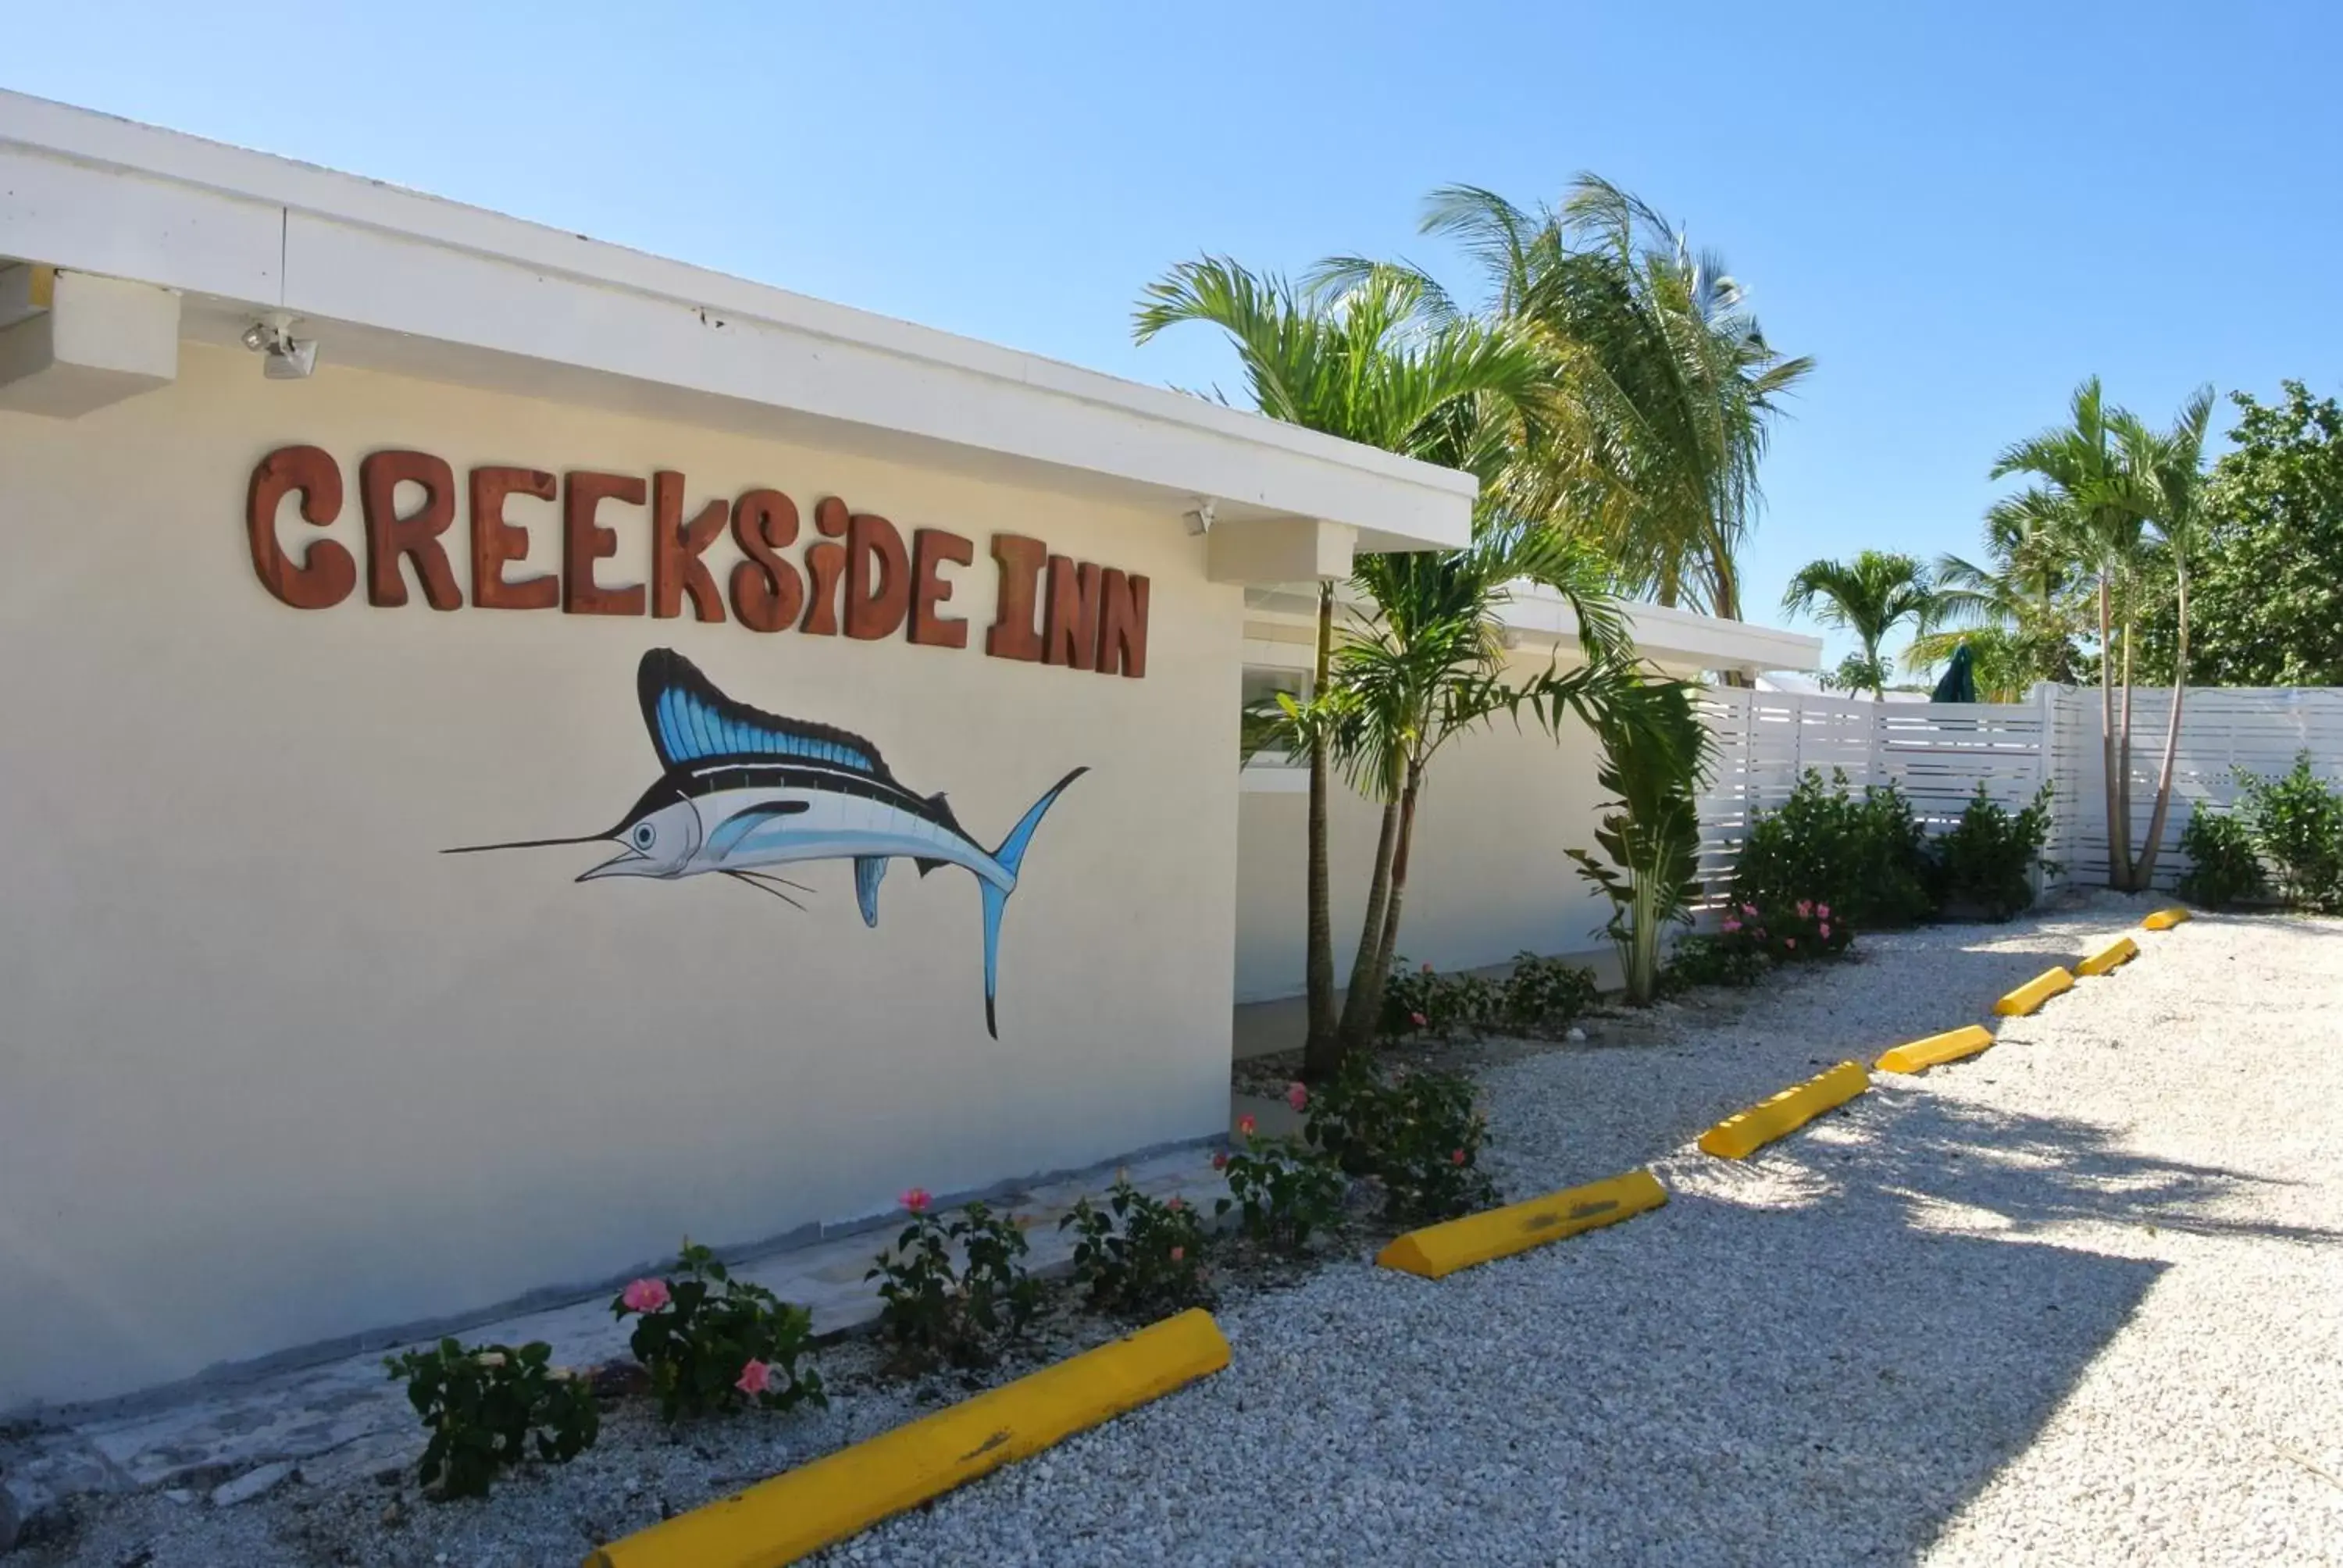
<point>689,721</point>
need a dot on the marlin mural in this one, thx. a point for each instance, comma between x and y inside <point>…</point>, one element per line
<point>744,790</point>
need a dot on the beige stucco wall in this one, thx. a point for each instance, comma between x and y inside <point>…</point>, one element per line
<point>271,1069</point>
<point>1489,875</point>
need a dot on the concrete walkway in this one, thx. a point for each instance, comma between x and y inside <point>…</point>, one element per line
<point>345,1417</point>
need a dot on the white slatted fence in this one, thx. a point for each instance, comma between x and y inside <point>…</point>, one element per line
<point>1937,753</point>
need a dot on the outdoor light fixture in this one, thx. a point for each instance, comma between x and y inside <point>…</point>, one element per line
<point>289,359</point>
<point>1200,521</point>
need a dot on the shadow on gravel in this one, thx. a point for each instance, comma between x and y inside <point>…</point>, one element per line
<point>2037,1171</point>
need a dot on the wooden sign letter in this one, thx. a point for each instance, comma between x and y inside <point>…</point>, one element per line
<point>826,563</point>
<point>327,573</point>
<point>877,577</point>
<point>585,542</point>
<point>1069,628</point>
<point>415,535</point>
<point>930,549</point>
<point>496,542</point>
<point>675,549</point>
<point>767,592</point>
<point>1011,634</point>
<point>1122,624</point>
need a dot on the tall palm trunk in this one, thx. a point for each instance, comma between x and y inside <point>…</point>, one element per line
<point>1365,996</point>
<point>1387,940</point>
<point>1321,1051</point>
<point>2118,831</point>
<point>2154,845</point>
<point>2123,761</point>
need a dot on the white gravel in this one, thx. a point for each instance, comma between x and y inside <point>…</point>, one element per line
<point>2077,1301</point>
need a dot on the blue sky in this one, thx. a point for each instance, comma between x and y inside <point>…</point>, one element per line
<point>1958,209</point>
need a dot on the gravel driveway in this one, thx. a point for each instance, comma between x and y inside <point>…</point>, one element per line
<point>2075,1301</point>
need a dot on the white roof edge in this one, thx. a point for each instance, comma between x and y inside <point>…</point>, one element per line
<point>1432,505</point>
<point>1669,637</point>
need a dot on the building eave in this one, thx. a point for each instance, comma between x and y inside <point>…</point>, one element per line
<point>390,278</point>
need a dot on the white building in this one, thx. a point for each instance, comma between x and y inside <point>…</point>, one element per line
<point>276,1069</point>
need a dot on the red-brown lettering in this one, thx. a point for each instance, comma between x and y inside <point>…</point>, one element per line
<point>826,564</point>
<point>767,592</point>
<point>1069,625</point>
<point>1122,624</point>
<point>496,542</point>
<point>327,573</point>
<point>877,577</point>
<point>416,536</point>
<point>584,541</point>
<point>930,549</point>
<point>1011,634</point>
<point>675,549</point>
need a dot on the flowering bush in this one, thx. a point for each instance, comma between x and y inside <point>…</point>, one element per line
<point>1802,930</point>
<point>710,1342</point>
<point>1283,1193</point>
<point>1865,856</point>
<point>1141,1256</point>
<point>940,1314</point>
<point>1418,1135</point>
<point>484,1403</point>
<point>1422,1001</point>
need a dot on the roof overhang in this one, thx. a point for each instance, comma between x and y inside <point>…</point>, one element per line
<point>1677,640</point>
<point>391,280</point>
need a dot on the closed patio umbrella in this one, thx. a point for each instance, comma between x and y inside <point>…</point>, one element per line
<point>1959,684</point>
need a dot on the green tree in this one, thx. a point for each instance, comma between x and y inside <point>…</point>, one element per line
<point>1379,359</point>
<point>1664,386</point>
<point>2018,612</point>
<point>1870,596</point>
<point>2169,468</point>
<point>1655,754</point>
<point>2092,505</point>
<point>2266,583</point>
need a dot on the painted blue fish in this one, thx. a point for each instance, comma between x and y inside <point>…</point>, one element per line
<point>744,790</point>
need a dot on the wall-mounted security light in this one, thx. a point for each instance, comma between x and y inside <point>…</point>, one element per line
<point>1198,521</point>
<point>287,358</point>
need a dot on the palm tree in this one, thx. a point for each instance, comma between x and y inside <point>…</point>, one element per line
<point>2017,611</point>
<point>2096,506</point>
<point>1426,663</point>
<point>1383,361</point>
<point>1668,387</point>
<point>2169,467</point>
<point>1870,597</point>
<point>1655,754</point>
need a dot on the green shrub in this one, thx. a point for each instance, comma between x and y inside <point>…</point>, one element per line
<point>1544,997</point>
<point>940,1314</point>
<point>1419,1135</point>
<point>1713,961</point>
<point>1864,856</point>
<point>1424,1003</point>
<point>710,1342</point>
<point>1283,1190</point>
<point>1988,858</point>
<point>2223,868</point>
<point>484,1404</point>
<point>2296,822</point>
<point>1803,931</point>
<point>1141,1256</point>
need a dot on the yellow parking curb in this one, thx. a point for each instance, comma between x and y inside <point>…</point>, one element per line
<point>2112,957</point>
<point>1739,1136</point>
<point>2165,919</point>
<point>1919,1055</point>
<point>1437,1251</point>
<point>781,1519</point>
<point>2034,993</point>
